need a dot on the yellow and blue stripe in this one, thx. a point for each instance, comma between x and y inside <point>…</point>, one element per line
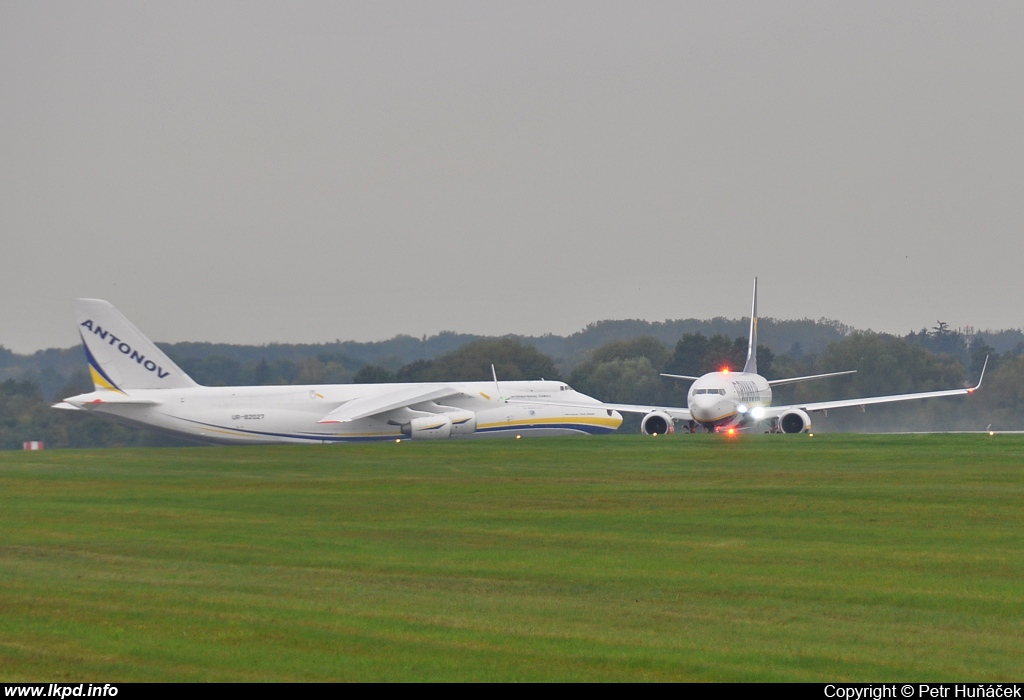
<point>100,379</point>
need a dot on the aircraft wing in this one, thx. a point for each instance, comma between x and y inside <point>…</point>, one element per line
<point>403,397</point>
<point>673,412</point>
<point>776,411</point>
<point>867,401</point>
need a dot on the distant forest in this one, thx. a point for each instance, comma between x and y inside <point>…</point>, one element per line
<point>617,361</point>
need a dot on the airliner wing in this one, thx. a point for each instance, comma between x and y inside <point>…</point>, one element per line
<point>867,401</point>
<point>673,412</point>
<point>403,397</point>
<point>776,411</point>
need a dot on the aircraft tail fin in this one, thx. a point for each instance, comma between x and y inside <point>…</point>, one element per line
<point>120,357</point>
<point>751,365</point>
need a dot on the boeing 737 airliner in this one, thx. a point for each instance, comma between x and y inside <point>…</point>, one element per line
<point>137,384</point>
<point>741,401</point>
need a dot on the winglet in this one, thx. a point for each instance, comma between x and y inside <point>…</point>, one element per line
<point>974,388</point>
<point>751,365</point>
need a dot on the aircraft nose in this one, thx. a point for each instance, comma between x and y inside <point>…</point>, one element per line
<point>704,406</point>
<point>702,401</point>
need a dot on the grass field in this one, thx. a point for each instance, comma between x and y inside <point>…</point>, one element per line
<point>789,558</point>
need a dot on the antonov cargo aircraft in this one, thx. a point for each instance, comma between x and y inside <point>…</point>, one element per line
<point>137,384</point>
<point>727,401</point>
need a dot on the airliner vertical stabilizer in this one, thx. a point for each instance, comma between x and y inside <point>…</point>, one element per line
<point>120,357</point>
<point>751,365</point>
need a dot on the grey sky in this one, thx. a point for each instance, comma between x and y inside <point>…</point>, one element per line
<point>293,172</point>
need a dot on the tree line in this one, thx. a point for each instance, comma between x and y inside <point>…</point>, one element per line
<point>281,363</point>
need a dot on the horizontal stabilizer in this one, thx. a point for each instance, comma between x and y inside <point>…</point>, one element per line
<point>104,398</point>
<point>680,376</point>
<point>794,380</point>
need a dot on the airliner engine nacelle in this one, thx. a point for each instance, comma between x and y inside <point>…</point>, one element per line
<point>463,422</point>
<point>794,421</point>
<point>436,427</point>
<point>657,423</point>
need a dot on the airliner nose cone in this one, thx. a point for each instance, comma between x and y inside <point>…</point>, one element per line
<point>703,401</point>
<point>708,407</point>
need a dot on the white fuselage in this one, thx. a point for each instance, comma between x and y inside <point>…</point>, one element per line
<point>725,399</point>
<point>292,414</point>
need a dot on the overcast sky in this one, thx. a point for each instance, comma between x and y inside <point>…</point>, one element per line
<point>293,172</point>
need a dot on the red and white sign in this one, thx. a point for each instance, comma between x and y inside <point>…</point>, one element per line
<point>33,445</point>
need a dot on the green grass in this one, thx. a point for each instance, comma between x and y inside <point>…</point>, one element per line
<point>787,558</point>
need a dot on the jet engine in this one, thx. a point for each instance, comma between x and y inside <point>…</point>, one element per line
<point>794,421</point>
<point>463,422</point>
<point>657,423</point>
<point>435,427</point>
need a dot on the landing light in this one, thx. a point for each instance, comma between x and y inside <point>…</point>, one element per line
<point>757,412</point>
<point>991,433</point>
<point>519,437</point>
<point>398,440</point>
<point>742,408</point>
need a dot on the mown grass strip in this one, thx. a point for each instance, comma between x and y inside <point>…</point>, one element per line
<point>690,558</point>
